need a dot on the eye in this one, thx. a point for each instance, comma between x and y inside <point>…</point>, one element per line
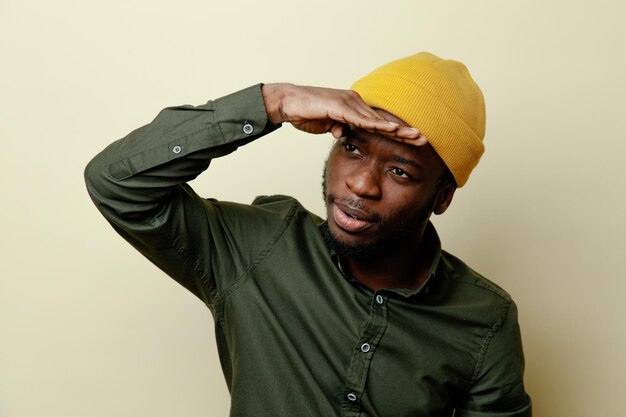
<point>350,148</point>
<point>400,173</point>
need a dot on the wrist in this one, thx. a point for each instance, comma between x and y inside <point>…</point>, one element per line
<point>273,96</point>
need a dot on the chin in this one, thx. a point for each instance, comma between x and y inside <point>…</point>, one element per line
<point>347,247</point>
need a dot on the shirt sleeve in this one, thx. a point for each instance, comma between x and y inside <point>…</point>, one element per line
<point>139,185</point>
<point>498,388</point>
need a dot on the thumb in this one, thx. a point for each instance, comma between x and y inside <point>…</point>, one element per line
<point>339,130</point>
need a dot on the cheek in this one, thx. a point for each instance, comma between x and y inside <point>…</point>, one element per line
<point>406,202</point>
<point>334,170</point>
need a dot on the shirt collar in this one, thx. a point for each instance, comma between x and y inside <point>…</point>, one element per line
<point>431,236</point>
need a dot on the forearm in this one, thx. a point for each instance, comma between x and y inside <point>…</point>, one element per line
<point>133,177</point>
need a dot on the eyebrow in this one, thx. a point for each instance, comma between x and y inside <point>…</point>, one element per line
<point>354,136</point>
<point>407,162</point>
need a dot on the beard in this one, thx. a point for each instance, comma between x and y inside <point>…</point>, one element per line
<point>397,231</point>
<point>349,250</point>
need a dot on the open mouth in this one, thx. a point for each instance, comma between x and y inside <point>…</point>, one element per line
<point>349,220</point>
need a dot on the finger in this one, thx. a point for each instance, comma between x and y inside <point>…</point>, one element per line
<point>393,129</point>
<point>353,117</point>
<point>365,108</point>
<point>404,132</point>
<point>420,141</point>
<point>408,132</point>
<point>339,130</point>
<point>375,125</point>
<point>384,127</point>
<point>367,111</point>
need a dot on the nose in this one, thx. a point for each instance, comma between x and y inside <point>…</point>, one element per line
<point>364,181</point>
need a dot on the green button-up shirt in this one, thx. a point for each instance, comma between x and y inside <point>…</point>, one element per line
<point>296,336</point>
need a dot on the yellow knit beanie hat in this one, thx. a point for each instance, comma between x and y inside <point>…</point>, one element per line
<point>439,98</point>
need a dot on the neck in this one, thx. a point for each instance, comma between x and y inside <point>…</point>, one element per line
<point>401,265</point>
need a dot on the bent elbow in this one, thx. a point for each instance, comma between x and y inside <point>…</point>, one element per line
<point>95,180</point>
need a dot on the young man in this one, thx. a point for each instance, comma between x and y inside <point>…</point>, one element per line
<point>359,315</point>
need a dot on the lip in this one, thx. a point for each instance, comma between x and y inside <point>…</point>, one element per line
<point>350,220</point>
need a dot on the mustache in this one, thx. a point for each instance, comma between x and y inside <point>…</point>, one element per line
<point>355,204</point>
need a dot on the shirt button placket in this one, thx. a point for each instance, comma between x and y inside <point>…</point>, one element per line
<point>362,356</point>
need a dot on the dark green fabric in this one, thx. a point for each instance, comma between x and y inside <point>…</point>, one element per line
<point>297,337</point>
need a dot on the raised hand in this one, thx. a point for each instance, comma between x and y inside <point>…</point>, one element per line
<point>320,110</point>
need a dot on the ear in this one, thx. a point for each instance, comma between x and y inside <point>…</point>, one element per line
<point>444,197</point>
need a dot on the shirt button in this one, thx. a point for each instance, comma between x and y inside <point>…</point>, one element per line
<point>177,149</point>
<point>365,347</point>
<point>380,299</point>
<point>248,129</point>
<point>352,397</point>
